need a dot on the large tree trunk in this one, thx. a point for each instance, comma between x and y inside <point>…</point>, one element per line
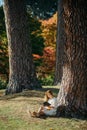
<point>22,73</point>
<point>72,97</point>
<point>59,45</point>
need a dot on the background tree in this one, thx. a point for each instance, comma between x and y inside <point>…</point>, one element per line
<point>37,40</point>
<point>46,70</point>
<point>49,28</point>
<point>3,47</point>
<point>22,73</point>
<point>72,97</point>
<point>44,9</point>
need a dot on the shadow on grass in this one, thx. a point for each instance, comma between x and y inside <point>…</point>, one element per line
<point>29,93</point>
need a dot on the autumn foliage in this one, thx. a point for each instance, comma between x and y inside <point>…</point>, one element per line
<point>49,28</point>
<point>43,40</point>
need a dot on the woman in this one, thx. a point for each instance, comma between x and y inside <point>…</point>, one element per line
<point>49,107</point>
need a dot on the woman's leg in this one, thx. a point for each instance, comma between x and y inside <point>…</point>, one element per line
<point>39,113</point>
<point>40,109</point>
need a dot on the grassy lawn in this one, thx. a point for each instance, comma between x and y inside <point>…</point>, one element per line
<point>14,113</point>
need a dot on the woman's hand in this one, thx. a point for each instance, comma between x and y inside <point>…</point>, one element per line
<point>49,107</point>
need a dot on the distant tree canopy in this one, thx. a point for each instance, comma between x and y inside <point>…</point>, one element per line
<point>49,28</point>
<point>35,35</point>
<point>3,46</point>
<point>36,39</point>
<point>49,31</point>
<point>2,22</point>
<point>42,8</point>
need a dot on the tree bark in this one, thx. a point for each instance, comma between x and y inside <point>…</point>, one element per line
<point>72,97</point>
<point>59,45</point>
<point>22,73</point>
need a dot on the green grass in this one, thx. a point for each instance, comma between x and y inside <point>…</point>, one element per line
<point>14,113</point>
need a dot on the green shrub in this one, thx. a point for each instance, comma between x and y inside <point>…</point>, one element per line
<point>46,81</point>
<point>2,84</point>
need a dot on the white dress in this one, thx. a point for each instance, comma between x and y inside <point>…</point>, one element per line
<point>52,111</point>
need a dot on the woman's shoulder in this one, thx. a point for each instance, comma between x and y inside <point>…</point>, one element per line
<point>54,98</point>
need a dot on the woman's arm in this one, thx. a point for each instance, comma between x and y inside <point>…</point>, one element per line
<point>49,107</point>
